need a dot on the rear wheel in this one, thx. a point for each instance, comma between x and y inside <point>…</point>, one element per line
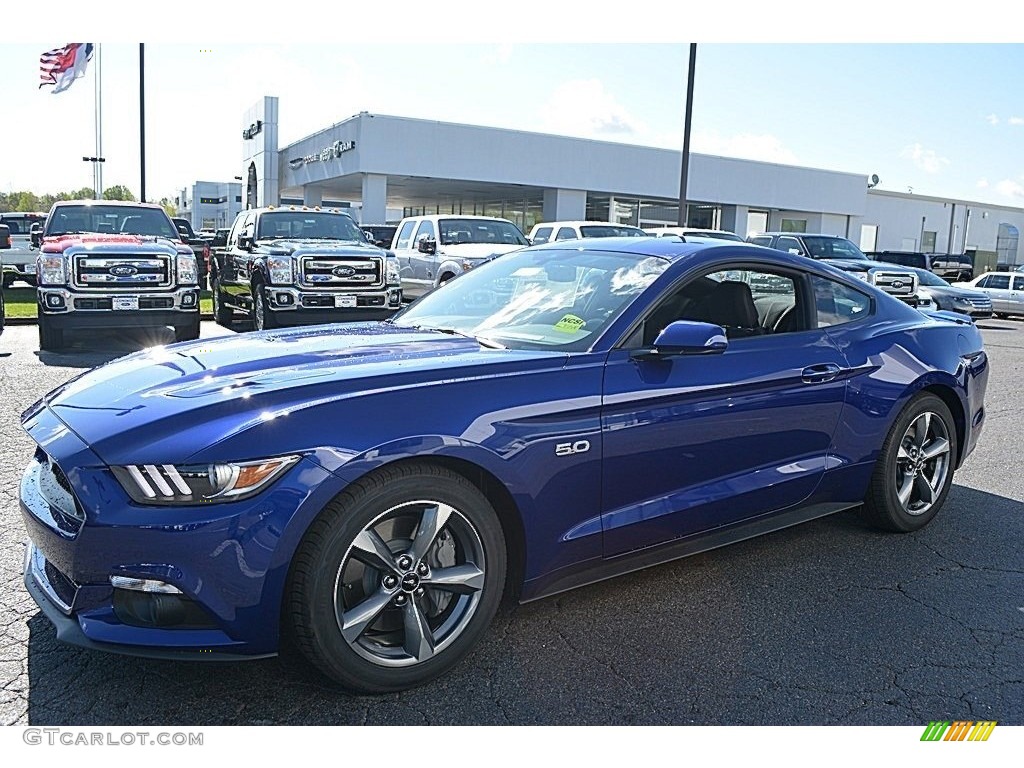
<point>397,579</point>
<point>50,338</point>
<point>915,470</point>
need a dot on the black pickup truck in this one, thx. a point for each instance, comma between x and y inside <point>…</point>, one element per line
<point>200,247</point>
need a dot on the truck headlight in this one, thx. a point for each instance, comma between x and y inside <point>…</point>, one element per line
<point>280,268</point>
<point>187,271</point>
<point>190,484</point>
<point>394,277</point>
<point>50,270</point>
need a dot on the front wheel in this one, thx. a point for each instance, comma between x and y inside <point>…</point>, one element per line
<point>397,579</point>
<point>263,317</point>
<point>915,470</point>
<point>222,314</point>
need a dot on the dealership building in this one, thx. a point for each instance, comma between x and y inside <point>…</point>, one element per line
<point>385,167</point>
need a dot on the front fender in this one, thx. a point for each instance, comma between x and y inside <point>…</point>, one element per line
<point>448,266</point>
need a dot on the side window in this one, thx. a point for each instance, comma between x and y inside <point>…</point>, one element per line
<point>789,244</point>
<point>745,302</point>
<point>566,233</point>
<point>542,236</point>
<point>405,235</point>
<point>1000,282</point>
<point>425,229</point>
<point>835,303</point>
<point>765,241</point>
<point>243,225</point>
<point>983,283</point>
<point>1018,283</point>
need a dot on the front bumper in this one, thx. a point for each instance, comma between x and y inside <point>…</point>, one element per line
<point>65,308</point>
<point>296,306</point>
<point>228,562</point>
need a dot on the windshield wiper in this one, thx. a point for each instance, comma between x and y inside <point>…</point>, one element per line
<point>481,340</point>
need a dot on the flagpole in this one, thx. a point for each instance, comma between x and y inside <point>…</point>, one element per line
<point>99,121</point>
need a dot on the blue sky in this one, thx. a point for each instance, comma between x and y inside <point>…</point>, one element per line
<point>938,118</point>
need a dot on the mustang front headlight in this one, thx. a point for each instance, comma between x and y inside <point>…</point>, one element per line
<point>190,484</point>
<point>280,268</point>
<point>187,272</point>
<point>51,269</point>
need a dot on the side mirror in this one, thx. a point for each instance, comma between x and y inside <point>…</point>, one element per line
<point>245,242</point>
<point>427,244</point>
<point>686,337</point>
<point>36,235</point>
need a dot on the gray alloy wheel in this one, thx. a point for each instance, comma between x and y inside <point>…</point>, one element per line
<point>914,470</point>
<point>922,463</point>
<point>221,314</point>
<point>397,579</point>
<point>409,584</point>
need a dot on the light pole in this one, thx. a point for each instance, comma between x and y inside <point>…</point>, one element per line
<point>96,174</point>
<point>685,168</point>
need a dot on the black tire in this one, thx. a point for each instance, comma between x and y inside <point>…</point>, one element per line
<point>50,339</point>
<point>223,315</point>
<point>8,279</point>
<point>1001,315</point>
<point>188,332</point>
<point>263,317</point>
<point>389,509</point>
<point>911,459</point>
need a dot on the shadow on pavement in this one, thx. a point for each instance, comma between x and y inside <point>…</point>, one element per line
<point>88,349</point>
<point>824,623</point>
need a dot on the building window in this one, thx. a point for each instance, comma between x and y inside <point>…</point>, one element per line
<point>794,225</point>
<point>928,241</point>
<point>869,237</point>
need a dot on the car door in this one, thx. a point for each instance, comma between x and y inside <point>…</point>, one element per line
<point>695,442</point>
<point>403,250</point>
<point>997,285</point>
<point>1015,298</point>
<point>423,266</point>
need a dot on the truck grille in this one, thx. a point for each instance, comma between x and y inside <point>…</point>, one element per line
<point>109,272</point>
<point>985,303</point>
<point>325,272</point>
<point>896,283</point>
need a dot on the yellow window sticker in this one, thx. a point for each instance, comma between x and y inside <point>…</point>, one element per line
<point>570,324</point>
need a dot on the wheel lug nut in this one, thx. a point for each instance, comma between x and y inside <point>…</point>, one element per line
<point>422,570</point>
<point>404,562</point>
<point>390,581</point>
<point>400,600</point>
<point>419,592</point>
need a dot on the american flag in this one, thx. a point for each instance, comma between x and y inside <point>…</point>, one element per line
<point>62,66</point>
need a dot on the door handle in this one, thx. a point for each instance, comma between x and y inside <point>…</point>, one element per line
<point>819,374</point>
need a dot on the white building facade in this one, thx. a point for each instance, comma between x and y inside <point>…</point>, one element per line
<point>387,167</point>
<point>210,204</point>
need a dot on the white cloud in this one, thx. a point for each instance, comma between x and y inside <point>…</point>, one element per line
<point>500,54</point>
<point>1016,121</point>
<point>1010,188</point>
<point>584,108</point>
<point>982,184</point>
<point>992,120</point>
<point>925,159</point>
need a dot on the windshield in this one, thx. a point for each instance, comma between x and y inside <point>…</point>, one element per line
<point>537,298</point>
<point>833,248</point>
<point>611,230</point>
<point>110,220</point>
<point>930,278</point>
<point>488,231</point>
<point>308,225</point>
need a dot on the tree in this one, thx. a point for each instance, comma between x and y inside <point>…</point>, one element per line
<point>118,192</point>
<point>169,206</point>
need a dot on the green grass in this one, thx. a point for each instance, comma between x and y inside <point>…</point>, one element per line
<point>21,302</point>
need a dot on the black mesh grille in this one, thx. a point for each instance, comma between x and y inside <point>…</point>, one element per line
<point>64,587</point>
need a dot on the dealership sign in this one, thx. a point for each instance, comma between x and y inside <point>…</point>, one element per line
<point>327,153</point>
<point>252,130</point>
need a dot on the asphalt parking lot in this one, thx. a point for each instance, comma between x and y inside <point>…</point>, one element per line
<point>829,623</point>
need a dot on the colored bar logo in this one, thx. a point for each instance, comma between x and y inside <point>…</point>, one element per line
<point>959,730</point>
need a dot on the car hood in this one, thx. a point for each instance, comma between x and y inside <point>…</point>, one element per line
<point>477,250</point>
<point>954,291</point>
<point>169,403</point>
<point>311,245</point>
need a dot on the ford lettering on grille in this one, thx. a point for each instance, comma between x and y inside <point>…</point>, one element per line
<point>124,270</point>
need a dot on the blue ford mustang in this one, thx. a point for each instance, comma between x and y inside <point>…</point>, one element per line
<point>556,416</point>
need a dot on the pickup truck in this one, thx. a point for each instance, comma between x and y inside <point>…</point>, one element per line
<point>298,265</point>
<point>200,247</point>
<point>111,264</point>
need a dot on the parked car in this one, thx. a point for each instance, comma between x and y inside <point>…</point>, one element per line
<point>844,255</point>
<point>110,264</point>
<point>432,250</point>
<point>1006,289</point>
<point>300,265</point>
<point>575,230</point>
<point>944,296</point>
<point>19,260</point>
<point>380,235</point>
<point>553,417</point>
<point>949,266</point>
<point>199,244</point>
<point>687,232</point>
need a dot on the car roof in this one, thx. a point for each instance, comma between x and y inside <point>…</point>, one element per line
<point>584,223</point>
<point>115,203</point>
<point>800,234</point>
<point>299,208</point>
<point>673,250</point>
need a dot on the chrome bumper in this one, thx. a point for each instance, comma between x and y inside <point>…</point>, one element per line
<point>59,300</point>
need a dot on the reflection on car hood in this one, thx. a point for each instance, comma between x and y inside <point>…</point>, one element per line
<point>141,407</point>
